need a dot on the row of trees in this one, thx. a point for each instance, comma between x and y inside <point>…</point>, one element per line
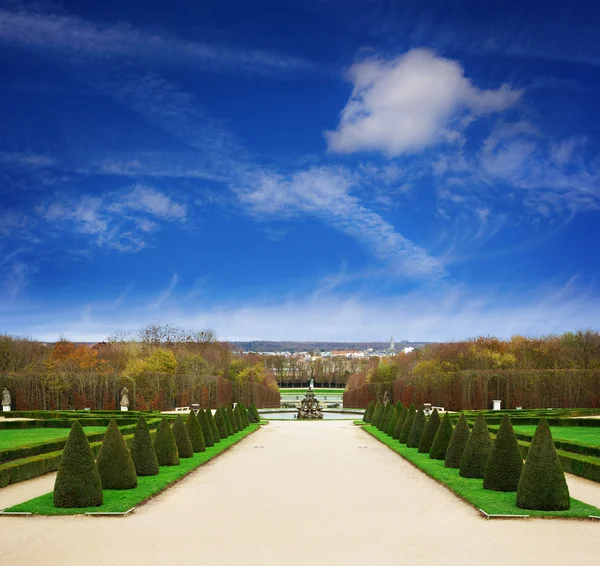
<point>553,371</point>
<point>162,367</point>
<point>539,484</point>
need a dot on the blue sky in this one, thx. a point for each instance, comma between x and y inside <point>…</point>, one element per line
<point>325,170</point>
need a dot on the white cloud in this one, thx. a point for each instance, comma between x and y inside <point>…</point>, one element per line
<point>26,160</point>
<point>147,199</point>
<point>165,294</point>
<point>410,103</point>
<point>325,193</point>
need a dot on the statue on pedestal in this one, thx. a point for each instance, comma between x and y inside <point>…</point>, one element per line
<point>124,399</point>
<point>6,400</point>
<point>386,398</point>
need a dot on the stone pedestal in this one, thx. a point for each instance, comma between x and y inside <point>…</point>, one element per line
<point>123,408</point>
<point>497,405</point>
<point>6,407</point>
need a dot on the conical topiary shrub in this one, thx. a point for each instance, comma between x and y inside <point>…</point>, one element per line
<point>206,431</point>
<point>477,451</point>
<point>392,422</point>
<point>256,413</point>
<point>213,425</point>
<point>77,482</point>
<point>457,443</point>
<point>542,485</point>
<point>505,464</point>
<point>195,433</point>
<point>429,433</point>
<point>182,438</point>
<point>221,423</point>
<point>243,415</point>
<point>230,426</point>
<point>416,431</point>
<point>115,466</point>
<point>377,414</point>
<point>442,439</point>
<point>238,419</point>
<point>165,445</point>
<point>142,451</point>
<point>400,423</point>
<point>368,414</point>
<point>408,422</point>
<point>385,419</point>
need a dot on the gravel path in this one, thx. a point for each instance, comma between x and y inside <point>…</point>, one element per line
<point>299,493</point>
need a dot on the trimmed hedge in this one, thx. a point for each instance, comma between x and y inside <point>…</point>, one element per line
<point>228,423</point>
<point>505,464</point>
<point>115,466</point>
<point>477,451</point>
<point>368,415</point>
<point>377,414</point>
<point>400,423</point>
<point>442,439</point>
<point>142,451</point>
<point>165,445</point>
<point>221,423</point>
<point>238,417</point>
<point>458,441</point>
<point>213,426</point>
<point>407,426</point>
<point>77,482</point>
<point>542,485</point>
<point>429,433</point>
<point>392,421</point>
<point>416,430</point>
<point>206,430</point>
<point>387,415</point>
<point>195,433</point>
<point>182,438</point>
<point>232,419</point>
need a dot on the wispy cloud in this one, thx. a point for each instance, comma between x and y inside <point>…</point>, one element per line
<point>26,160</point>
<point>324,192</point>
<point>411,102</point>
<point>165,294</point>
<point>81,39</point>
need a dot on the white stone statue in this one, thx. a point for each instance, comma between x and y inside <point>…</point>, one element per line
<point>125,399</point>
<point>6,400</point>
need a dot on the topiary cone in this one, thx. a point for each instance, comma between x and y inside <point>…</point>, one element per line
<point>377,414</point>
<point>416,430</point>
<point>368,415</point>
<point>165,446</point>
<point>400,423</point>
<point>195,433</point>
<point>543,485</point>
<point>238,417</point>
<point>457,443</point>
<point>232,419</point>
<point>182,438</point>
<point>428,435</point>
<point>221,424</point>
<point>228,423</point>
<point>477,451</point>
<point>505,464</point>
<point>442,439</point>
<point>256,413</point>
<point>115,466</point>
<point>142,451</point>
<point>77,482</point>
<point>205,426</point>
<point>392,421</point>
<point>213,426</point>
<point>408,422</point>
<point>385,419</point>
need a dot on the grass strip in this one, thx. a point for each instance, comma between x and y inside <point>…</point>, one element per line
<point>471,490</point>
<point>119,501</point>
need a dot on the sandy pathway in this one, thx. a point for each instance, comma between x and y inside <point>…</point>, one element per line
<point>300,493</point>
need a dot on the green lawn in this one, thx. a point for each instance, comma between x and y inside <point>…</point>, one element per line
<point>581,434</point>
<point>20,438</point>
<point>471,490</point>
<point>122,500</point>
<point>320,391</point>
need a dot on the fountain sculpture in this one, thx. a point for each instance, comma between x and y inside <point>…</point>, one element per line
<point>309,408</point>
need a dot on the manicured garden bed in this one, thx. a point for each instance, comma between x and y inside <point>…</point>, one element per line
<point>22,438</point>
<point>471,490</point>
<point>120,501</point>
<point>582,435</point>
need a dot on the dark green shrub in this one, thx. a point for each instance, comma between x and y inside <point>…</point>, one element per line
<point>205,426</point>
<point>542,485</point>
<point>377,414</point>
<point>77,481</point>
<point>368,415</point>
<point>408,422</point>
<point>213,426</point>
<point>221,423</point>
<point>442,439</point>
<point>393,420</point>
<point>416,430</point>
<point>505,464</point>
<point>243,414</point>
<point>255,413</point>
<point>238,418</point>
<point>477,451</point>
<point>457,443</point>
<point>385,418</point>
<point>165,445</point>
<point>231,429</point>
<point>429,433</point>
<point>142,451</point>
<point>195,433</point>
<point>400,423</point>
<point>182,438</point>
<point>115,466</point>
